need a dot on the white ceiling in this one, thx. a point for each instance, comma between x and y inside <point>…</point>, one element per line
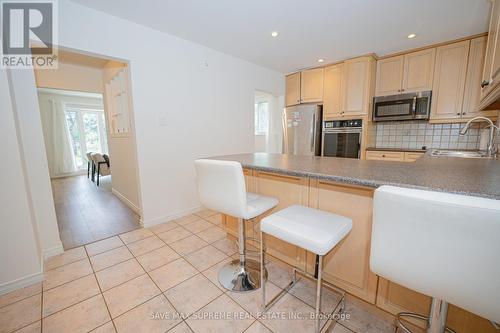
<point>308,29</point>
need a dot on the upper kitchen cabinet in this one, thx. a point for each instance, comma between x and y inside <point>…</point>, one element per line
<point>449,80</point>
<point>311,86</point>
<point>292,84</point>
<point>405,73</point>
<point>472,83</point>
<point>490,89</point>
<point>358,82</point>
<point>304,87</point>
<point>332,99</point>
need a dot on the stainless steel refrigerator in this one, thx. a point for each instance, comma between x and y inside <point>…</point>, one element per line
<point>302,130</point>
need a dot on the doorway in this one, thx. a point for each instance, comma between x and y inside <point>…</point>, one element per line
<point>93,168</point>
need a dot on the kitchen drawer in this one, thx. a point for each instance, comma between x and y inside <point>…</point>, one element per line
<point>412,156</point>
<point>398,156</point>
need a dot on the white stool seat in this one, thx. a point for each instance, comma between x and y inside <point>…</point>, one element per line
<point>311,229</point>
<point>258,204</point>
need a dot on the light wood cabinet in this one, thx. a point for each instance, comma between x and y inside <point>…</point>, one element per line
<point>358,82</point>
<point>412,156</point>
<point>394,298</point>
<point>394,156</point>
<point>491,70</point>
<point>347,265</point>
<point>449,80</point>
<point>333,91</point>
<point>292,89</point>
<point>311,85</point>
<point>472,93</point>
<point>411,72</point>
<point>389,76</point>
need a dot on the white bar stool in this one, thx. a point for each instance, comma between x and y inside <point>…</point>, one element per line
<point>311,229</point>
<point>442,245</point>
<point>221,187</point>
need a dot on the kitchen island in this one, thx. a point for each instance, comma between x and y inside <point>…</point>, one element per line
<point>346,187</point>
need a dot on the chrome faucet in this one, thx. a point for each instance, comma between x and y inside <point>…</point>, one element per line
<point>490,149</point>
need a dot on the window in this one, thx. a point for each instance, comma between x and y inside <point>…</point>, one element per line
<point>261,118</point>
<point>87,131</point>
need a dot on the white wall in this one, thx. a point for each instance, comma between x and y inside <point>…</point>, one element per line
<point>20,250</point>
<point>204,96</point>
<point>71,77</point>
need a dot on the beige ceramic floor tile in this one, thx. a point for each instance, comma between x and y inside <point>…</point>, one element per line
<point>213,272</point>
<point>172,273</point>
<point>140,318</point>
<point>188,245</point>
<point>103,245</point>
<point>20,314</point>
<point>186,219</point>
<point>69,294</point>
<point>82,317</point>
<point>298,316</point>
<point>337,328</point>
<point>145,245</point>
<point>205,213</point>
<point>181,328</point>
<point>361,320</point>
<point>130,294</point>
<point>198,226</point>
<point>305,289</point>
<point>157,258</point>
<point>212,234</point>
<point>159,228</point>
<point>106,328</point>
<point>234,318</point>
<point>67,257</point>
<point>278,273</point>
<point>205,257</point>
<point>135,235</point>
<point>215,219</point>
<point>32,328</point>
<point>110,258</point>
<point>258,327</point>
<point>20,294</point>
<point>227,245</point>
<point>252,301</point>
<point>174,235</point>
<point>118,274</point>
<point>193,294</point>
<point>66,273</point>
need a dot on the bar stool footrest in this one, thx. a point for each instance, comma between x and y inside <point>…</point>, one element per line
<point>402,315</point>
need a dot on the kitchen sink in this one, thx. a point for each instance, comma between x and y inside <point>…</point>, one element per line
<point>459,153</point>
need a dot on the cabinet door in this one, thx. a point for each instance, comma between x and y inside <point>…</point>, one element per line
<point>357,86</point>
<point>332,91</point>
<point>418,71</point>
<point>394,156</point>
<point>473,80</point>
<point>292,94</point>
<point>347,265</point>
<point>389,76</point>
<point>449,80</point>
<point>491,48</point>
<point>311,86</point>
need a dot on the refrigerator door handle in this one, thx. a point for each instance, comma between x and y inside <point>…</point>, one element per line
<point>313,133</point>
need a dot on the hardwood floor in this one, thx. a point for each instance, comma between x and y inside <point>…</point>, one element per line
<point>87,213</point>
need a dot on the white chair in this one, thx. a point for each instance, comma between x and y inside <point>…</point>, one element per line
<point>442,245</point>
<point>221,187</point>
<point>311,229</point>
<point>101,163</point>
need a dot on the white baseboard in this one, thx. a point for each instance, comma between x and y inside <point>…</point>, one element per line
<point>166,218</point>
<point>28,280</point>
<point>52,251</point>
<point>126,201</point>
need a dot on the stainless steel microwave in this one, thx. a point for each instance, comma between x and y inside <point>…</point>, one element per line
<point>402,107</point>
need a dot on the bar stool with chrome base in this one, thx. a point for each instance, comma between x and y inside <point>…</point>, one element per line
<point>442,245</point>
<point>311,229</point>
<point>221,187</point>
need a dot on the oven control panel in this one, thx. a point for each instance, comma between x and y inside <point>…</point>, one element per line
<point>353,123</point>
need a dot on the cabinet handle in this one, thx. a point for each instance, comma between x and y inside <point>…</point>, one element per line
<point>458,113</point>
<point>402,90</point>
<point>485,83</point>
<point>383,155</point>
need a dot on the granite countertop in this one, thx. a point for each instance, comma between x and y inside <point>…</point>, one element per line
<point>397,149</point>
<point>475,177</point>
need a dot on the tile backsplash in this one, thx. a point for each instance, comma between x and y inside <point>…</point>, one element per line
<point>417,134</point>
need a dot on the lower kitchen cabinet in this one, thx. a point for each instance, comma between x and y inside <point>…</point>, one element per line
<point>394,298</point>
<point>395,156</point>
